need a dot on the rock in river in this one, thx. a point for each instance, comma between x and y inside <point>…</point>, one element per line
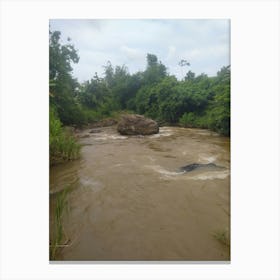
<point>137,125</point>
<point>194,166</point>
<point>95,131</point>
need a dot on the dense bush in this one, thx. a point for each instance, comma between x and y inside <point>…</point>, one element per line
<point>188,120</point>
<point>63,146</point>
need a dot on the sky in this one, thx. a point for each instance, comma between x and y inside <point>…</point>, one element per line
<point>204,43</point>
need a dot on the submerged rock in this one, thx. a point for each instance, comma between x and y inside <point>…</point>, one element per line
<point>84,136</point>
<point>95,131</point>
<point>194,166</point>
<point>137,125</point>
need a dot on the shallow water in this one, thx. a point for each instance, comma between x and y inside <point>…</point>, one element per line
<point>131,201</point>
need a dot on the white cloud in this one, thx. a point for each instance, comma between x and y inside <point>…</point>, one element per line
<point>132,53</point>
<point>204,43</point>
<point>171,53</point>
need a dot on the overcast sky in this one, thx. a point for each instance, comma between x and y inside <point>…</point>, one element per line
<point>203,43</point>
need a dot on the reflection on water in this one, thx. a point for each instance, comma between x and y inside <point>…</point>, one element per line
<point>130,201</point>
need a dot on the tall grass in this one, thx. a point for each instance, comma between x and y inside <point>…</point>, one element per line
<point>57,233</point>
<point>63,146</point>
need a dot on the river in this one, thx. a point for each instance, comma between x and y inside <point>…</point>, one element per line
<point>129,200</point>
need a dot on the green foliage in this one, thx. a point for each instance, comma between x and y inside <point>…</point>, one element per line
<point>169,99</point>
<point>92,115</point>
<point>188,120</point>
<point>57,234</point>
<point>196,101</point>
<point>115,92</point>
<point>193,120</point>
<point>61,56</point>
<point>209,106</point>
<point>190,76</point>
<point>63,146</point>
<point>62,85</point>
<point>219,109</point>
<point>155,70</point>
<point>92,94</point>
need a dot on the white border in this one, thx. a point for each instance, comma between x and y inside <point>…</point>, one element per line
<point>255,138</point>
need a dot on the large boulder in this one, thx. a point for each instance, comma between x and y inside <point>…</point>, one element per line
<point>137,125</point>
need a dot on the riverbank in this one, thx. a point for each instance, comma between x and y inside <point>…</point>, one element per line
<point>111,121</point>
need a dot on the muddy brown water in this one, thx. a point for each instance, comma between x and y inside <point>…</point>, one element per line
<point>129,200</point>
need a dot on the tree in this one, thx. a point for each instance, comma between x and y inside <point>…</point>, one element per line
<point>109,74</point>
<point>183,63</point>
<point>63,87</point>
<point>155,70</point>
<point>61,57</point>
<point>190,76</point>
<point>151,60</point>
<point>219,112</point>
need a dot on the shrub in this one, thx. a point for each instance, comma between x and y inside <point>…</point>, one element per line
<point>188,120</point>
<point>63,146</point>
